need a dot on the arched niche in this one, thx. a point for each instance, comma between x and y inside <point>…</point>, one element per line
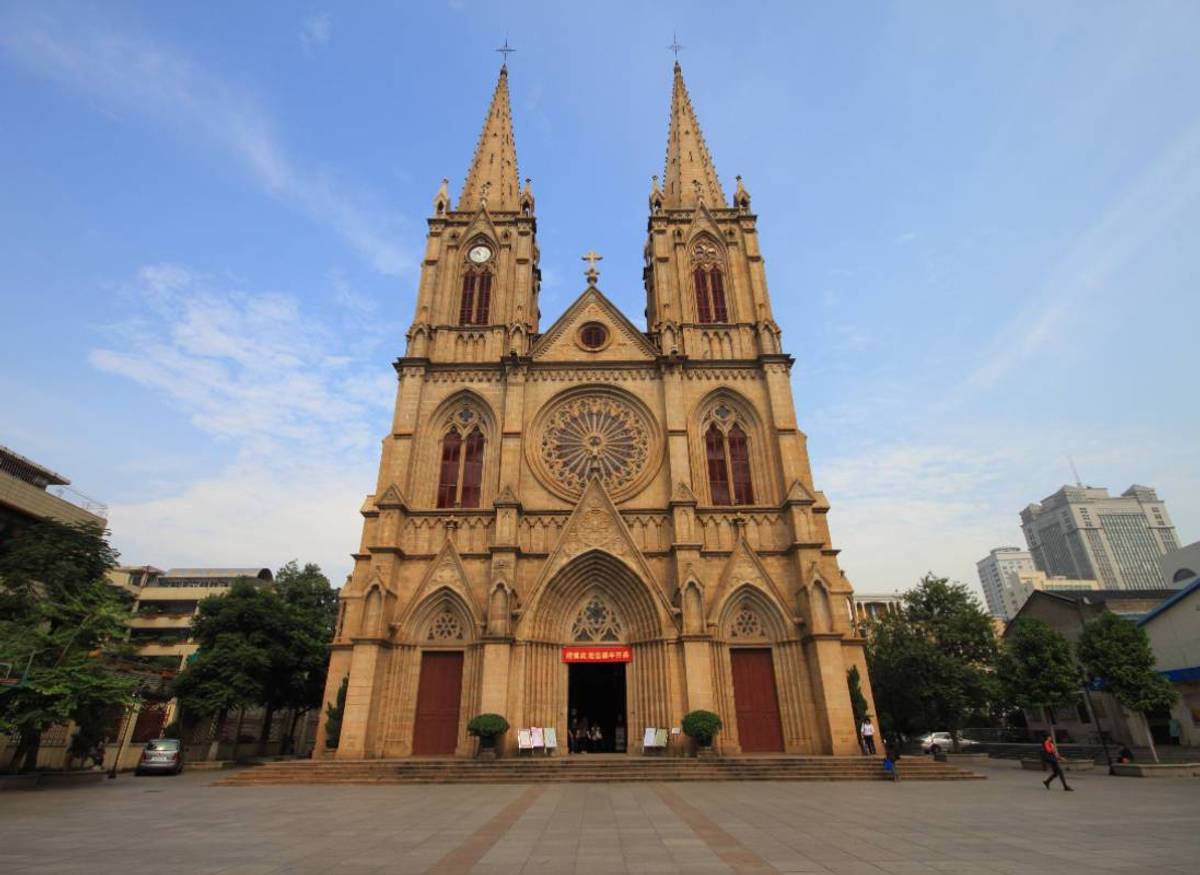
<point>750,616</point>
<point>441,620</point>
<point>550,615</point>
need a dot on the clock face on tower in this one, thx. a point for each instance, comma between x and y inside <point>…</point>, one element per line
<point>479,254</point>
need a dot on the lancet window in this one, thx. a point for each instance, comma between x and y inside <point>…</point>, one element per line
<point>460,475</point>
<point>476,301</point>
<point>709,283</point>
<point>727,456</point>
<point>596,621</point>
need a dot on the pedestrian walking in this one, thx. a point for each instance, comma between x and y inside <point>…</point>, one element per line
<point>891,758</point>
<point>867,731</point>
<point>1175,729</point>
<point>1050,757</point>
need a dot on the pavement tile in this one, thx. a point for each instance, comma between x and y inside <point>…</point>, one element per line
<point>1001,825</point>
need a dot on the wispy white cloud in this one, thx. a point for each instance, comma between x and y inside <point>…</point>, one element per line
<point>315,31</point>
<point>300,408</point>
<point>905,238</point>
<point>1165,189</point>
<point>251,514</point>
<point>247,366</point>
<point>135,72</point>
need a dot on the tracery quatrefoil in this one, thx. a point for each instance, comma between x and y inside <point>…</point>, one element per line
<point>596,621</point>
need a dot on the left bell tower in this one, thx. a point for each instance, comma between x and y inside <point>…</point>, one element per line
<point>478,295</point>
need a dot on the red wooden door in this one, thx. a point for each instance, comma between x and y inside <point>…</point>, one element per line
<point>438,694</point>
<point>755,700</point>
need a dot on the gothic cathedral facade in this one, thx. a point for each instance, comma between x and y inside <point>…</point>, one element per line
<point>594,524</point>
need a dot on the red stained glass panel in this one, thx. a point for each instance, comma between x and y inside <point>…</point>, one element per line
<point>448,477</point>
<point>472,469</point>
<point>718,474</point>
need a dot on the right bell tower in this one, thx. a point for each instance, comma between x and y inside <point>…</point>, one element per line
<point>706,291</point>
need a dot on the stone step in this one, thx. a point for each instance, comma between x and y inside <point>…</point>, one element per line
<point>586,769</point>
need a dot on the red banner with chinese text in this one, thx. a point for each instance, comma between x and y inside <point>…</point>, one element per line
<point>597,653</point>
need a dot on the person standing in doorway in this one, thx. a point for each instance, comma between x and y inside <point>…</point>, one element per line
<point>1050,757</point>
<point>1175,729</point>
<point>596,737</point>
<point>867,731</point>
<point>573,732</point>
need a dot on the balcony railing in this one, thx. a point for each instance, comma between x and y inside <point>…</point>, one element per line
<point>77,498</point>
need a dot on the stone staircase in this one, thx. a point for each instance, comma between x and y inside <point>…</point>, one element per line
<point>591,768</point>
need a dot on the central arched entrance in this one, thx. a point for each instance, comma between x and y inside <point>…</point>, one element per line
<point>599,641</point>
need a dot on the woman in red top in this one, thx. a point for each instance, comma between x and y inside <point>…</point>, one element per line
<point>1050,758</point>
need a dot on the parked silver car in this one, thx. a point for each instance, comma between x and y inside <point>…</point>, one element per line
<point>937,742</point>
<point>161,755</point>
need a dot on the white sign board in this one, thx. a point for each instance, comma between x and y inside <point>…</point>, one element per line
<point>551,738</point>
<point>650,739</point>
<point>524,741</point>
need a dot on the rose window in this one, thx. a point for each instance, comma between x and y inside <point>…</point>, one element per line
<point>746,625</point>
<point>596,621</point>
<point>598,435</point>
<point>445,627</point>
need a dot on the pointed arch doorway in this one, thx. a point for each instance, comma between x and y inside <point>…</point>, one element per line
<point>596,602</point>
<point>596,699</point>
<point>597,707</point>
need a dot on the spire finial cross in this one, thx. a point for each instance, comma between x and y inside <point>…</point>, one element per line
<point>505,50</point>
<point>591,257</point>
<point>675,46</point>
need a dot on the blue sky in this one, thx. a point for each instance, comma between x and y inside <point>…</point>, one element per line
<point>980,223</point>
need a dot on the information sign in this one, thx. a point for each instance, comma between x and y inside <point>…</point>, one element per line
<point>597,653</point>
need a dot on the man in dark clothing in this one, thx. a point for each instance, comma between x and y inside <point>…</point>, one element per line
<point>1050,758</point>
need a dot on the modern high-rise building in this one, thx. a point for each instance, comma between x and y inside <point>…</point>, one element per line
<point>1083,532</point>
<point>998,575</point>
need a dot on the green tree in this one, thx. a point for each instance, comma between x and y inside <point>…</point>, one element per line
<point>1037,668</point>
<point>263,646</point>
<point>1117,651</point>
<point>930,662</point>
<point>59,620</point>
<point>334,712</point>
<point>858,702</point>
<point>237,633</point>
<point>297,679</point>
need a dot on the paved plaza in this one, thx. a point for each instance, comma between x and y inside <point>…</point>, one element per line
<point>1008,824</point>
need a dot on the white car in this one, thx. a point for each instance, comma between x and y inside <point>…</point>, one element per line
<point>937,742</point>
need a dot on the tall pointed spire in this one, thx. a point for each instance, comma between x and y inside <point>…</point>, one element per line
<point>493,174</point>
<point>690,175</point>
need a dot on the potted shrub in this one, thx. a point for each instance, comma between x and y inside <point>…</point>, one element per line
<point>702,727</point>
<point>486,727</point>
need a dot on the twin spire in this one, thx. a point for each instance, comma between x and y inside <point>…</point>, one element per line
<point>690,176</point>
<point>492,179</point>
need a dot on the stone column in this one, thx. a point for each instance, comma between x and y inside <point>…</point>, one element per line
<point>360,694</point>
<point>698,672</point>
<point>835,716</point>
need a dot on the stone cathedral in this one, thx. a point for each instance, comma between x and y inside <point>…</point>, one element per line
<point>591,522</point>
